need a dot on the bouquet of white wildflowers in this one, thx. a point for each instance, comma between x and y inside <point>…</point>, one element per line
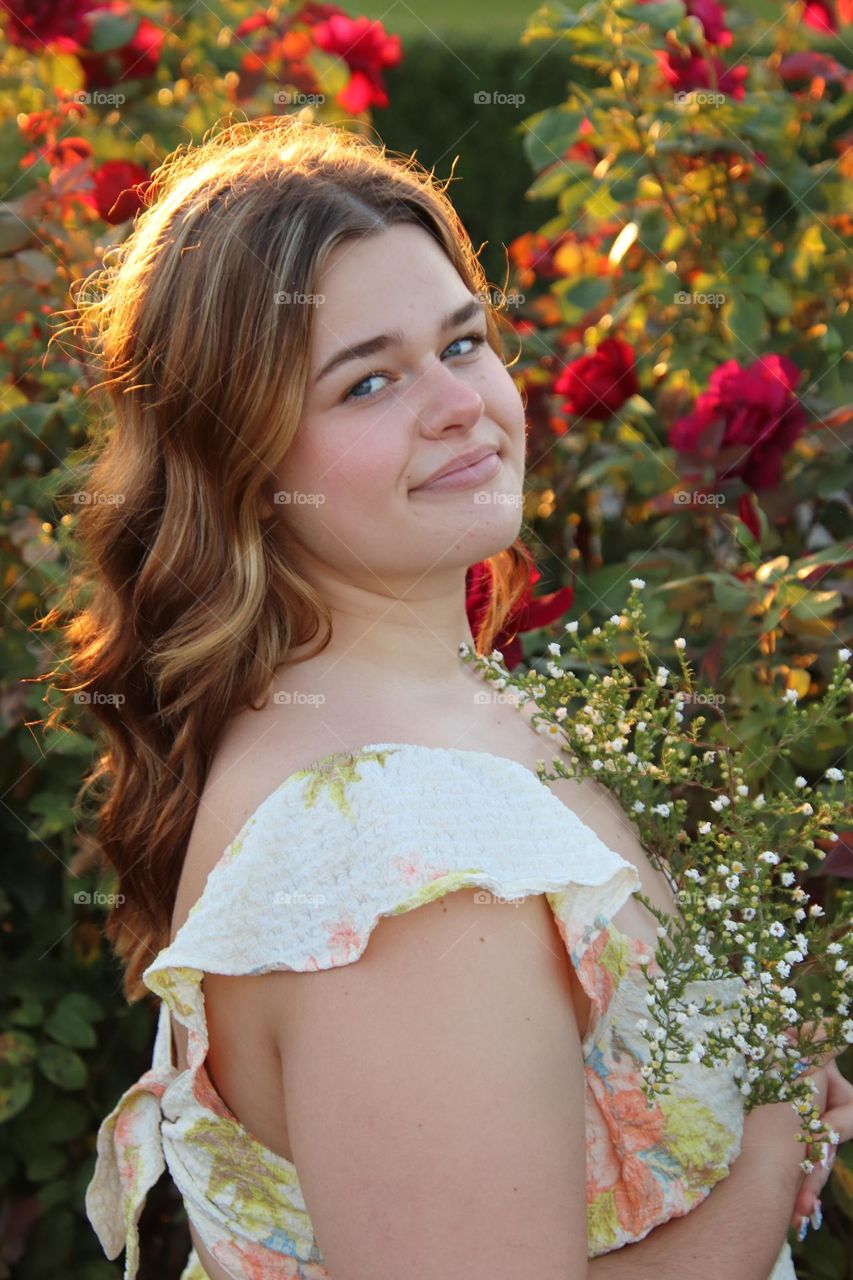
<point>731,857</point>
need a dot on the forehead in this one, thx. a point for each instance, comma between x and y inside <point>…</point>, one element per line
<point>400,266</point>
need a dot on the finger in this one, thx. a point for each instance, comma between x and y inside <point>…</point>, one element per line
<point>812,1185</point>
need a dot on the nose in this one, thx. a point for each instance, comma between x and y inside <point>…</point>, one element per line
<point>446,400</point>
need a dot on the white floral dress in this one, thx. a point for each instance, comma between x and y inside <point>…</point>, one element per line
<point>352,838</point>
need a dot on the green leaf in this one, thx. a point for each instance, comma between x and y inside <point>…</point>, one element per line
<point>27,1014</point>
<point>15,1092</point>
<point>45,1163</point>
<point>112,30</point>
<point>746,322</point>
<point>549,134</point>
<point>17,1048</point>
<point>732,595</point>
<point>661,15</point>
<point>66,1025</point>
<point>15,234</point>
<point>62,1066</point>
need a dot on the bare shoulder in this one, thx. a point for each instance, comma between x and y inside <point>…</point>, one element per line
<point>434,1089</point>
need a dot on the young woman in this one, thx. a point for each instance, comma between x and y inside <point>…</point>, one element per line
<point>387,955</point>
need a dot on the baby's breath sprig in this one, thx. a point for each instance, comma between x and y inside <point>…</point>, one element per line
<point>781,965</point>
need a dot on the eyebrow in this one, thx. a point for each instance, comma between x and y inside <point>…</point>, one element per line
<point>395,338</point>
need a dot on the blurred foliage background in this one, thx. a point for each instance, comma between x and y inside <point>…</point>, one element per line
<point>662,191</point>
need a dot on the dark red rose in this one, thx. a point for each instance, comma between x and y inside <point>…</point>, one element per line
<point>34,24</point>
<point>751,411</point>
<point>528,614</point>
<point>119,188</point>
<point>694,72</point>
<point>367,49</point>
<point>803,68</point>
<point>747,509</point>
<point>597,385</point>
<point>137,59</point>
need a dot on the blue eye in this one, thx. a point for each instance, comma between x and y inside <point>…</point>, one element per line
<point>476,338</point>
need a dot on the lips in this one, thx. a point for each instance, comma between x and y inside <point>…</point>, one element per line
<point>469,459</point>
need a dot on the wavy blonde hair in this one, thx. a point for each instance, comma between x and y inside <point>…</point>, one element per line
<point>183,601</point>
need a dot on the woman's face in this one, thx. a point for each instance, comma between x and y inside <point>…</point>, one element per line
<point>377,425</point>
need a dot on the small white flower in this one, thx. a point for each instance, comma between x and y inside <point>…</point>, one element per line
<point>787,878</point>
<point>732,882</point>
<point>641,724</point>
<point>769,856</point>
<point>662,676</point>
<point>806,809</point>
<point>815,909</point>
<point>616,619</point>
<point>759,801</point>
<point>835,775</point>
<point>641,1024</point>
<point>800,781</point>
<point>777,929</point>
<point>554,648</point>
<point>841,965</point>
<point>799,914</point>
<point>638,583</point>
<point>660,931</point>
<point>790,695</point>
<point>704,828</point>
<point>788,994</point>
<point>597,764</point>
<point>680,643</point>
<point>714,903</point>
<point>692,1009</point>
<point>692,874</point>
<point>742,790</point>
<point>639,807</point>
<point>662,809</point>
<point>834,948</point>
<point>847,1030</point>
<point>844,654</point>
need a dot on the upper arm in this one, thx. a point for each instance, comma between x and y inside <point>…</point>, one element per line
<point>434,1097</point>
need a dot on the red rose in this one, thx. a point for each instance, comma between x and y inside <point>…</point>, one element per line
<point>598,384</point>
<point>694,72</point>
<point>527,615</point>
<point>820,14</point>
<point>33,24</point>
<point>809,65</point>
<point>367,49</point>
<point>753,411</point>
<point>138,59</point>
<point>748,511</point>
<point>119,187</point>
